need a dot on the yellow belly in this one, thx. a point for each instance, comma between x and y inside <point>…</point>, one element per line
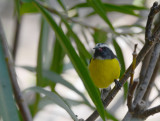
<point>103,72</point>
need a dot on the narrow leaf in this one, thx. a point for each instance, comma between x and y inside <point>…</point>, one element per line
<point>80,46</point>
<point>99,36</point>
<point>57,58</point>
<point>76,61</point>
<point>62,5</point>
<point>27,7</point>
<point>99,8</point>
<point>80,5</point>
<point>58,79</point>
<point>55,78</point>
<point>8,106</point>
<point>126,9</point>
<point>56,99</point>
<point>17,8</point>
<point>45,101</point>
<point>119,56</point>
<point>43,38</point>
<point>123,68</point>
<point>110,116</point>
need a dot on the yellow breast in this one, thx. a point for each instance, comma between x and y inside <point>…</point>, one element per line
<point>103,72</point>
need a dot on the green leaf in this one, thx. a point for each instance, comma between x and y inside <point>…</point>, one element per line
<point>26,1</point>
<point>110,116</point>
<point>80,5</point>
<point>27,7</point>
<point>81,48</point>
<point>139,2</point>
<point>99,36</point>
<point>133,7</point>
<point>126,9</point>
<point>55,78</point>
<point>58,79</point>
<point>119,56</point>
<point>55,98</point>
<point>29,68</point>
<point>121,9</point>
<point>57,58</point>
<point>76,61</point>
<point>45,101</point>
<point>43,38</point>
<point>62,5</point>
<point>17,8</point>
<point>121,60</point>
<point>99,8</point>
<point>125,87</point>
<point>8,106</point>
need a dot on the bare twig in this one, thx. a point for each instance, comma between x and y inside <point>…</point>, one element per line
<point>16,39</point>
<point>150,102</point>
<point>132,85</point>
<point>133,64</point>
<point>144,67</point>
<point>154,10</point>
<point>130,95</point>
<point>150,112</point>
<point>150,85</point>
<point>17,93</point>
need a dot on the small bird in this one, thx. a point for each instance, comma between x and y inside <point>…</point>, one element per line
<point>104,67</point>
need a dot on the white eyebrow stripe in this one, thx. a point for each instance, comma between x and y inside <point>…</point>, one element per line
<point>101,45</point>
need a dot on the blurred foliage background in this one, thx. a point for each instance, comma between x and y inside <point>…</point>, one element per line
<point>51,43</point>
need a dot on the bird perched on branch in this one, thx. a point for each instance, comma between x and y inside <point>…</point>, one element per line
<point>104,67</point>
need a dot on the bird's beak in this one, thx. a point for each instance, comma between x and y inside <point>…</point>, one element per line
<point>98,48</point>
<point>95,47</point>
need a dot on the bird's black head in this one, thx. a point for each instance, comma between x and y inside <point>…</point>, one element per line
<point>103,52</point>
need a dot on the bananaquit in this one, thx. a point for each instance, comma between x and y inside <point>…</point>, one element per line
<point>104,66</point>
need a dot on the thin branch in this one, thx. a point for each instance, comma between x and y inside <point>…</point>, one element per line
<point>132,85</point>
<point>150,112</point>
<point>154,10</point>
<point>150,102</point>
<point>17,93</point>
<point>133,64</point>
<point>16,39</point>
<point>130,95</point>
<point>150,85</point>
<point>144,67</point>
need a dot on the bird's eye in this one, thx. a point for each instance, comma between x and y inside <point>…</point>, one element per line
<point>104,48</point>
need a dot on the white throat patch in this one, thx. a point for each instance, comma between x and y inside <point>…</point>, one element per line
<point>99,58</point>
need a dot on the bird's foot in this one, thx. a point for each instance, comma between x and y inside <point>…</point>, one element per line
<point>105,92</point>
<point>118,84</point>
